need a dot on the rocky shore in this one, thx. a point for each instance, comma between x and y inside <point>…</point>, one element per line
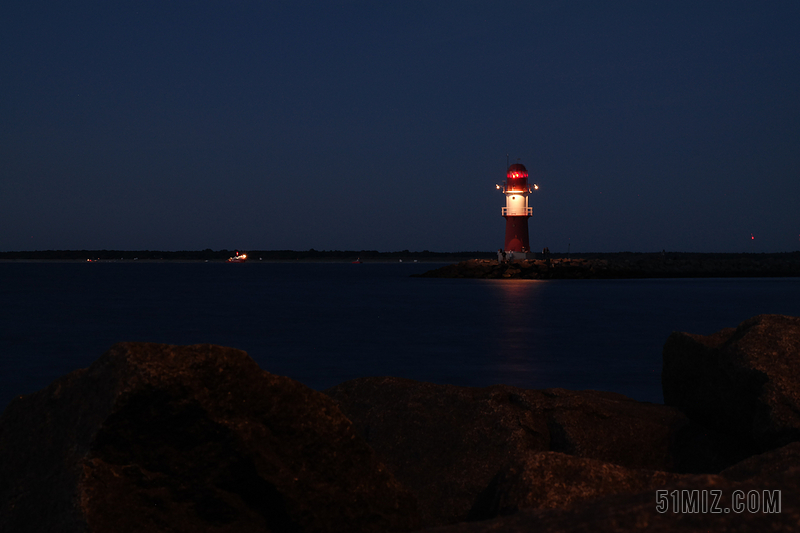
<point>626,266</point>
<point>198,438</point>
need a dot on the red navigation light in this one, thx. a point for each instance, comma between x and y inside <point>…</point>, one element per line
<point>517,171</point>
<point>517,178</point>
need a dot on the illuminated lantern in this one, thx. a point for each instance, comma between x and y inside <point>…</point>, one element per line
<point>517,212</point>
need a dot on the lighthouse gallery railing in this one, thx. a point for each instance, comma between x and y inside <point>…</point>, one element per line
<point>518,212</point>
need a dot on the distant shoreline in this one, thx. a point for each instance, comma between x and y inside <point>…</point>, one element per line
<point>628,266</point>
<point>254,256</point>
<point>789,259</point>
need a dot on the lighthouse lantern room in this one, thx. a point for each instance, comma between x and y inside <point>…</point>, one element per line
<point>517,211</point>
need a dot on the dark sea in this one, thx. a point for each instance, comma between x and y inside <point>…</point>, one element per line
<point>325,323</point>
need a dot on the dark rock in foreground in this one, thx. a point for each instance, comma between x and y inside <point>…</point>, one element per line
<point>556,481</point>
<point>777,493</point>
<point>625,266</point>
<point>742,381</point>
<point>551,480</point>
<point>554,493</point>
<point>447,443</point>
<point>197,438</point>
<point>765,464</point>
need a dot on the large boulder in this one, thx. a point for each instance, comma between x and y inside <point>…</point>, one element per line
<point>443,442</point>
<point>765,503</point>
<point>197,438</point>
<point>446,443</point>
<point>555,492</point>
<point>552,480</point>
<point>742,381</point>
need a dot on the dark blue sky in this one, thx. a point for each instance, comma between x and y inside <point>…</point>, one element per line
<point>385,125</point>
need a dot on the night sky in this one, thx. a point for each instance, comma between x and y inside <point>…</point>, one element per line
<point>178,125</point>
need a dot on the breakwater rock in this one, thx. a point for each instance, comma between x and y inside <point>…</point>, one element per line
<point>198,438</point>
<point>447,443</point>
<point>743,381</point>
<point>656,510</point>
<point>625,266</point>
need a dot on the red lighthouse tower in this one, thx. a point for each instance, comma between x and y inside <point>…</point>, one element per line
<point>517,212</point>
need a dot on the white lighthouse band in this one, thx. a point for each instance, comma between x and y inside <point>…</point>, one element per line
<point>517,204</point>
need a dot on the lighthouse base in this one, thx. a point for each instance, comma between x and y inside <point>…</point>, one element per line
<point>517,235</point>
<point>516,256</point>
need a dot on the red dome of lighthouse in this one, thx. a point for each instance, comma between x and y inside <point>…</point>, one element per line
<point>517,178</point>
<point>517,171</point>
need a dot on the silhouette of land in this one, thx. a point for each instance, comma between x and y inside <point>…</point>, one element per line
<point>481,264</point>
<point>253,255</point>
<point>627,265</point>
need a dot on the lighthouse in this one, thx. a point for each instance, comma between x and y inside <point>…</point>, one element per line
<point>517,211</point>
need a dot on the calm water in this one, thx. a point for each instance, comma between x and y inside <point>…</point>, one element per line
<point>326,323</point>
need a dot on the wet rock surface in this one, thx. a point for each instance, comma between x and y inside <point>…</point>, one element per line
<point>627,265</point>
<point>741,381</point>
<point>197,438</point>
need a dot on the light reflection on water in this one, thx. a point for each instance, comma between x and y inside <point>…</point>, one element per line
<point>325,323</point>
<point>518,313</point>
<point>517,321</point>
